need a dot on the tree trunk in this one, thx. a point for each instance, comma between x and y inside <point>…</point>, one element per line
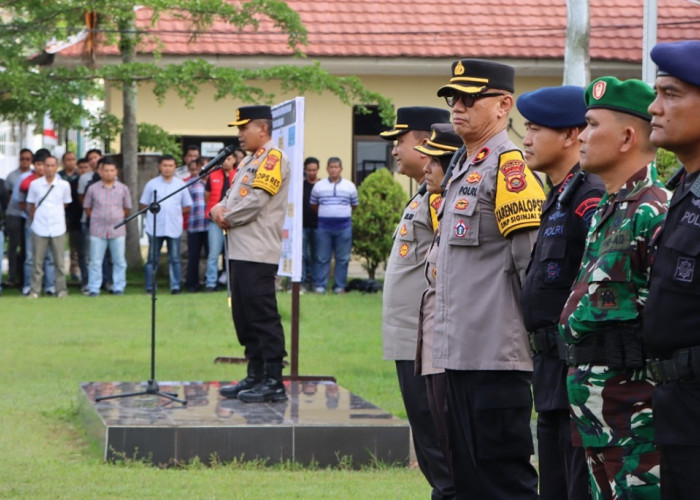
<point>130,144</point>
<point>577,52</point>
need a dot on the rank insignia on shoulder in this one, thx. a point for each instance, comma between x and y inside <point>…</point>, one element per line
<point>260,152</point>
<point>563,184</point>
<point>474,177</point>
<point>244,179</point>
<point>243,192</point>
<point>414,204</point>
<point>403,231</point>
<point>461,229</point>
<point>403,250</point>
<point>481,155</point>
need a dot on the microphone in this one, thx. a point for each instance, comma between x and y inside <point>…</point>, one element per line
<point>227,151</point>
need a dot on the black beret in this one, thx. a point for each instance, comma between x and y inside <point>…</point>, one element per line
<point>415,118</point>
<point>554,107</point>
<point>472,76</point>
<point>679,59</point>
<point>244,114</point>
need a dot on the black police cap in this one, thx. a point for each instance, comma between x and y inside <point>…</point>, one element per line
<point>415,118</point>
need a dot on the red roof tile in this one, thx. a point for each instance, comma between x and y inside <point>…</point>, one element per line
<point>532,29</point>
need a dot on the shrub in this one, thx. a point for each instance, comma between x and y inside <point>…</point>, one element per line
<point>381,202</point>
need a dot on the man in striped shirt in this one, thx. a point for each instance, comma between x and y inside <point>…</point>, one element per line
<point>106,203</point>
<point>334,198</point>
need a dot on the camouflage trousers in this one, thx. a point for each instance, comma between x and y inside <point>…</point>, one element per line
<point>624,473</point>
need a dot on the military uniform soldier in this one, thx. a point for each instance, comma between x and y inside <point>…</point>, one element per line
<point>672,323</point>
<point>403,284</point>
<point>488,224</point>
<point>252,213</point>
<point>608,383</point>
<point>554,118</point>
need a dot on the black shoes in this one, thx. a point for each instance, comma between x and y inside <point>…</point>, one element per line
<point>255,376</point>
<point>270,390</point>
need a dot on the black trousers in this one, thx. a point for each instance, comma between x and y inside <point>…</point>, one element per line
<point>563,469</point>
<point>431,460</point>
<point>196,241</point>
<point>16,252</point>
<point>680,467</point>
<point>254,309</point>
<point>490,434</point>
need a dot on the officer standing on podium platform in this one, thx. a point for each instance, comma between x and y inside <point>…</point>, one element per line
<point>554,118</point>
<point>672,322</point>
<point>252,213</point>
<point>488,223</point>
<point>404,283</point>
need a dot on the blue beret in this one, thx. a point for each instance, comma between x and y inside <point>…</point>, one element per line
<point>679,59</point>
<point>554,107</point>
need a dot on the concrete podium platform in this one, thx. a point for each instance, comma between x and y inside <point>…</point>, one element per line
<point>321,422</point>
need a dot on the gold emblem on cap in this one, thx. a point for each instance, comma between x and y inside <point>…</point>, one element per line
<point>459,69</point>
<point>238,114</point>
<point>434,135</point>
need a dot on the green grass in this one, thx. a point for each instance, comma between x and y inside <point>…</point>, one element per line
<point>49,346</point>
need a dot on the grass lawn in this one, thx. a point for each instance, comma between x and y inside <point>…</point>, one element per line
<point>49,346</point>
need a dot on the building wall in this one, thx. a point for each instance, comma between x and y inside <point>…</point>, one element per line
<point>328,129</point>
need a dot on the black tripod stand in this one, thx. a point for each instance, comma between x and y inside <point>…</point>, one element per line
<point>152,386</point>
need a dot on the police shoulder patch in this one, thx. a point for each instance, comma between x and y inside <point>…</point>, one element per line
<point>519,195</point>
<point>269,175</point>
<point>435,201</point>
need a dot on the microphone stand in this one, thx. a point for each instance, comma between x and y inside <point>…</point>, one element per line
<point>152,386</point>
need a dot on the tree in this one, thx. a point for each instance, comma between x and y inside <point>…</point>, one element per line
<point>380,202</point>
<point>31,87</point>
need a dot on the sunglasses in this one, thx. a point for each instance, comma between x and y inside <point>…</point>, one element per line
<point>468,100</point>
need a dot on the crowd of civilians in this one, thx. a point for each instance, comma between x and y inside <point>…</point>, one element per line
<point>43,206</point>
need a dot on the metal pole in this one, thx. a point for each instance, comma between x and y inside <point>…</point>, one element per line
<point>649,40</point>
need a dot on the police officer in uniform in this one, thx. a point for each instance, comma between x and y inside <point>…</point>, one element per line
<point>554,118</point>
<point>441,147</point>
<point>404,283</point>
<point>252,213</point>
<point>488,223</point>
<point>608,383</point>
<point>672,322</point>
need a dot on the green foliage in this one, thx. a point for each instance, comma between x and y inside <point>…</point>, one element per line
<point>666,164</point>
<point>154,138</point>
<point>381,200</point>
<point>104,126</point>
<point>29,90</point>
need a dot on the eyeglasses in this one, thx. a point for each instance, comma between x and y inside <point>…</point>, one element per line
<point>468,100</point>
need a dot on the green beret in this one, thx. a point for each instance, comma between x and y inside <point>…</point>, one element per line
<point>631,96</point>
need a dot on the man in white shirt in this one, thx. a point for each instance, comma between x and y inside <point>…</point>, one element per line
<point>47,199</point>
<point>334,198</point>
<point>168,221</point>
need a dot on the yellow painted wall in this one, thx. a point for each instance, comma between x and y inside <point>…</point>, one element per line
<point>328,130</point>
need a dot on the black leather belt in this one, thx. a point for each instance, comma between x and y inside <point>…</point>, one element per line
<point>617,346</point>
<point>684,365</point>
<point>544,340</point>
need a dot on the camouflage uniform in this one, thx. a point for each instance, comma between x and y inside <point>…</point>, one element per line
<point>611,406</point>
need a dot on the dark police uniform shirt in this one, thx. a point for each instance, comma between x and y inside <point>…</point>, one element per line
<point>671,321</point>
<point>555,262</point>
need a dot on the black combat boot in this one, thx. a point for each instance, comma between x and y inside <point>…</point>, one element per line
<point>255,376</point>
<point>271,389</point>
